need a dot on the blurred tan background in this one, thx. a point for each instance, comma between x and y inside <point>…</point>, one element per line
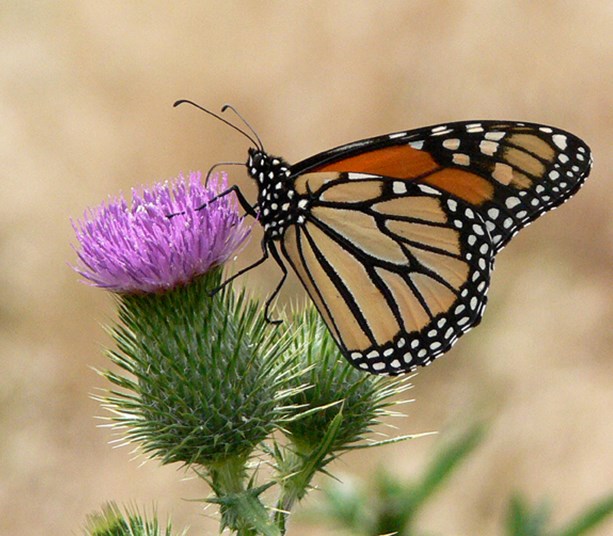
<point>86,93</point>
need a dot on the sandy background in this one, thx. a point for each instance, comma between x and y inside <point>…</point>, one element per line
<point>85,110</point>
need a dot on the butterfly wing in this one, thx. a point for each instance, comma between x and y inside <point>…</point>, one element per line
<point>398,233</point>
<point>398,276</point>
<point>510,172</point>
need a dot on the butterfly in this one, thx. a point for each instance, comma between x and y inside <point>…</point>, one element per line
<point>394,237</point>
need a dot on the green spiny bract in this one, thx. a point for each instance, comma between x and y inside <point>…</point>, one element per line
<point>207,375</point>
<point>112,521</point>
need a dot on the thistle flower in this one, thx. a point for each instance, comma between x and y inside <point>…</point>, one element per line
<point>138,248</point>
<point>202,376</point>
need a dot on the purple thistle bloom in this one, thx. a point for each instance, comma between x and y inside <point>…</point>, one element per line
<point>139,249</point>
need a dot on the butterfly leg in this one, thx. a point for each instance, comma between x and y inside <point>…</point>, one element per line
<point>277,258</point>
<point>242,200</point>
<point>243,271</point>
<point>266,252</point>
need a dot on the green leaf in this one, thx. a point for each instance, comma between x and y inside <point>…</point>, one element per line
<point>589,519</point>
<point>393,505</point>
<point>445,462</point>
<point>521,521</point>
<point>347,506</point>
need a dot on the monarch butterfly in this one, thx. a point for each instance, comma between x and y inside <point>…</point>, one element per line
<point>394,237</point>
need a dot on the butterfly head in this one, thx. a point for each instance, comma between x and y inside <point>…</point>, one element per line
<point>265,169</point>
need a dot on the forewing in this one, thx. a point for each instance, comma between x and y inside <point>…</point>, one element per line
<point>509,172</point>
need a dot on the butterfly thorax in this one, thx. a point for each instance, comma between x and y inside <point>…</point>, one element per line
<point>276,204</point>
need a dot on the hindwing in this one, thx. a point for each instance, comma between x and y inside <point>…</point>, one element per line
<point>398,270</point>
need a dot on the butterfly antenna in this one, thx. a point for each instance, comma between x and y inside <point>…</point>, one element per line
<point>233,109</point>
<point>208,173</point>
<point>256,141</point>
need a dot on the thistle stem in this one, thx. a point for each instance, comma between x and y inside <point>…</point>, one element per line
<point>300,466</point>
<point>241,509</point>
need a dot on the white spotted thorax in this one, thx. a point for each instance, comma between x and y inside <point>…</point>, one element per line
<point>277,204</point>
